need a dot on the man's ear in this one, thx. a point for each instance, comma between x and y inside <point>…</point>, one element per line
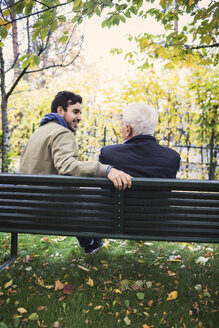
<point>60,111</point>
<point>128,131</point>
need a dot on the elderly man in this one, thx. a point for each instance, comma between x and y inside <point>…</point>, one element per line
<point>140,155</point>
<point>52,149</point>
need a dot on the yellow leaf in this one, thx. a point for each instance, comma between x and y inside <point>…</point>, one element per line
<point>172,296</point>
<point>39,281</point>
<point>6,12</point>
<point>21,310</point>
<point>145,326</point>
<point>4,22</point>
<point>49,286</point>
<point>117,291</point>
<point>90,282</point>
<point>191,2</point>
<point>8,284</point>
<point>150,303</point>
<point>83,268</point>
<point>98,307</point>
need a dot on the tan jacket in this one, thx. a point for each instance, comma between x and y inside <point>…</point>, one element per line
<point>52,149</point>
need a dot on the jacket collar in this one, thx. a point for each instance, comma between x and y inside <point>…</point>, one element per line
<point>140,137</point>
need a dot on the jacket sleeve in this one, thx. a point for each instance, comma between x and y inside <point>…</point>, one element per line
<point>65,158</point>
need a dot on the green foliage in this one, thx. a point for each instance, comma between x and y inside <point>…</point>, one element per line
<point>173,45</point>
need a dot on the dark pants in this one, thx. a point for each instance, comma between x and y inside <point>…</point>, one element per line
<point>84,241</point>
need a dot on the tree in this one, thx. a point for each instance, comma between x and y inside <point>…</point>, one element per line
<point>55,45</point>
<point>194,42</point>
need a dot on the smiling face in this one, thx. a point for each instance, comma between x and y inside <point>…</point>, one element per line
<point>72,116</point>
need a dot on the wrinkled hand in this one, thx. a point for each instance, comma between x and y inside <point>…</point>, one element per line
<point>120,179</point>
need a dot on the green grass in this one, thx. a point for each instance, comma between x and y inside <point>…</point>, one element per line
<point>125,284</point>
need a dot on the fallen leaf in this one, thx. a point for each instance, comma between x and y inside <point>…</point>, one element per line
<point>33,316</point>
<point>117,291</point>
<point>8,284</point>
<point>68,289</point>
<point>198,287</point>
<point>39,281</point>
<point>41,308</point>
<point>59,285</point>
<point>202,259</point>
<point>150,303</point>
<point>61,298</point>
<point>98,307</point>
<point>140,296</point>
<point>90,282</point>
<point>145,326</point>
<point>149,284</point>
<point>171,274</point>
<point>48,286</point>
<point>172,296</point>
<point>28,268</point>
<point>127,321</point>
<point>83,268</point>
<point>21,310</point>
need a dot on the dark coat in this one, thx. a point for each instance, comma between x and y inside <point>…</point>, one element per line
<point>142,156</point>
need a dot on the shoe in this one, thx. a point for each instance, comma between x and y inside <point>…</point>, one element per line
<point>95,247</point>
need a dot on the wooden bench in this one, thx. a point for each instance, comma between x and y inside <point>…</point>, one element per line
<point>153,209</point>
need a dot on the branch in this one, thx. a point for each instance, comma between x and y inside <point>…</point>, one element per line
<point>13,65</point>
<point>56,65</point>
<point>33,14</point>
<point>16,82</point>
<point>215,45</point>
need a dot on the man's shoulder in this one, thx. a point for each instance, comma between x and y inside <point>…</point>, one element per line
<point>171,151</point>
<point>111,148</point>
<point>53,128</point>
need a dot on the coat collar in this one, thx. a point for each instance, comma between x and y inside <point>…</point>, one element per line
<point>140,137</point>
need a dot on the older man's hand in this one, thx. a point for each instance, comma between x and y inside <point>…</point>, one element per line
<point>120,179</point>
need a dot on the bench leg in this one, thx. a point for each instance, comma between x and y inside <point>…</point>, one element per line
<point>13,254</point>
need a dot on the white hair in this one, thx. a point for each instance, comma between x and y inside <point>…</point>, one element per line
<point>141,117</point>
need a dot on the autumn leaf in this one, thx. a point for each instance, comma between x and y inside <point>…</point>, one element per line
<point>98,307</point>
<point>150,303</point>
<point>8,284</point>
<point>39,281</point>
<point>172,296</point>
<point>21,310</point>
<point>90,282</point>
<point>83,268</point>
<point>145,326</point>
<point>202,260</point>
<point>59,285</point>
<point>127,321</point>
<point>61,298</point>
<point>117,291</point>
<point>41,308</point>
<point>68,289</point>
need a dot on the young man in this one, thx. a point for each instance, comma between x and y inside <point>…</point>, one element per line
<point>140,155</point>
<point>52,149</point>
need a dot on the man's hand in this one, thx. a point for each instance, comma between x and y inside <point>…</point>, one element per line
<point>120,179</point>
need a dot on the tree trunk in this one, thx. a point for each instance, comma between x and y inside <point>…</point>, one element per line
<point>4,113</point>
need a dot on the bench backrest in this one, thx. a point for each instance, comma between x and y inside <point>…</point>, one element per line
<point>153,209</point>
